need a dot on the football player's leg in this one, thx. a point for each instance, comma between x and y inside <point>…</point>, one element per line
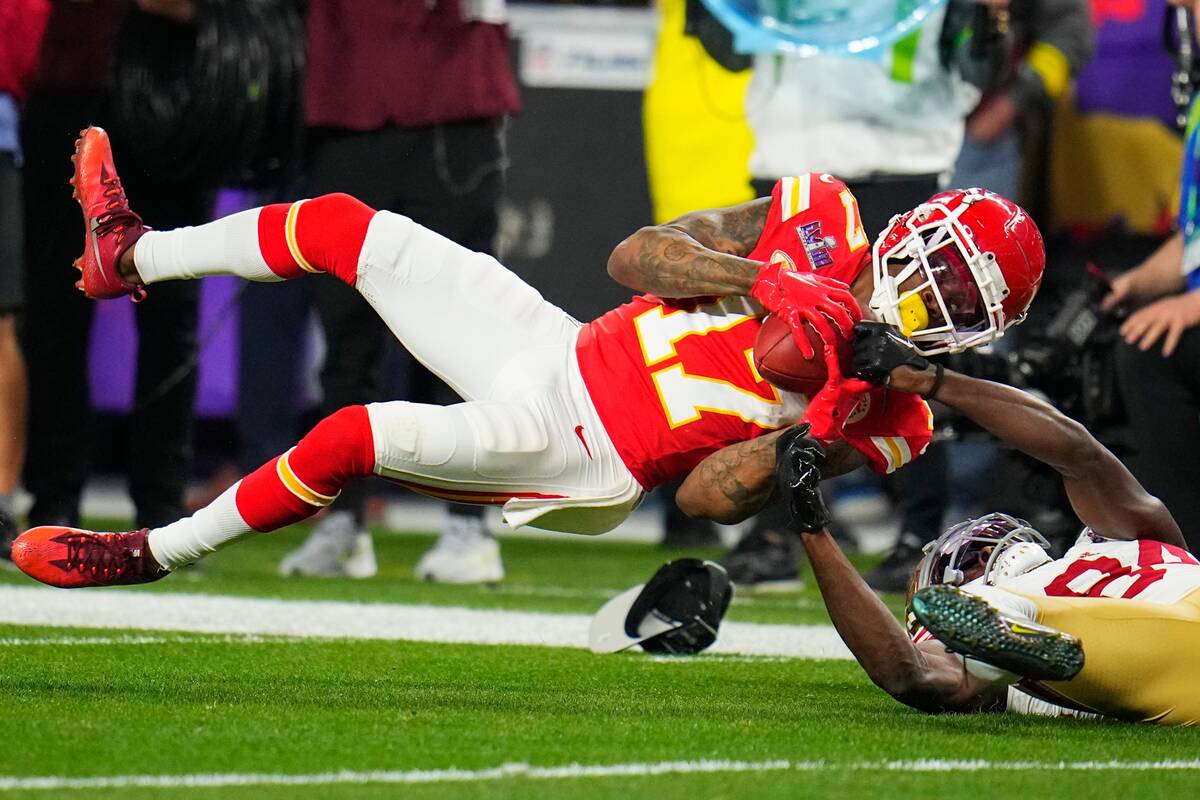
<point>271,243</point>
<point>477,452</point>
<point>461,313</point>
<point>525,454</point>
<point>482,453</point>
<point>997,634</point>
<point>1139,658</point>
<point>285,490</point>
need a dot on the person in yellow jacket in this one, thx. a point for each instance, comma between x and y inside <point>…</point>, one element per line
<point>698,147</point>
<point>698,142</point>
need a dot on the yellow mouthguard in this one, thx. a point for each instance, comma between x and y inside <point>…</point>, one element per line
<point>913,314</point>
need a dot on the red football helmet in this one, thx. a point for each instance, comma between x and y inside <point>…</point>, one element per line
<point>957,270</point>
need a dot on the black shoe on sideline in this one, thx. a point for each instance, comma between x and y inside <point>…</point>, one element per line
<point>893,573</point>
<point>681,532</point>
<point>765,561</point>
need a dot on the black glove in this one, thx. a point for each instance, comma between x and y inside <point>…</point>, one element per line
<point>879,348</point>
<point>797,468</point>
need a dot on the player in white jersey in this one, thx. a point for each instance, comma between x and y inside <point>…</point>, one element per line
<point>1111,628</point>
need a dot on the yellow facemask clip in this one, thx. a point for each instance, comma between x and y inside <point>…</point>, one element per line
<point>913,314</point>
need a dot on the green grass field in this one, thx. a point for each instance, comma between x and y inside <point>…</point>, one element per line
<point>86,704</point>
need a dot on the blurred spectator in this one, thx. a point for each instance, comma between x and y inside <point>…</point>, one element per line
<point>890,127</point>
<point>1115,168</point>
<point>273,372</point>
<point>405,105</point>
<point>1115,152</point>
<point>694,115</point>
<point>1005,139</point>
<point>1053,39</point>
<point>71,91</point>
<point>1161,387</point>
<point>21,25</point>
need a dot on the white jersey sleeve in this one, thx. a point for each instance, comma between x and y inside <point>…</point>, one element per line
<point>1144,569</point>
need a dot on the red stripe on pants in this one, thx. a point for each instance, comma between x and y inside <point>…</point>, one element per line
<point>329,232</point>
<point>339,449</point>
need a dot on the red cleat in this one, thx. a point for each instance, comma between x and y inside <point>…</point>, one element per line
<point>110,226</point>
<point>71,558</point>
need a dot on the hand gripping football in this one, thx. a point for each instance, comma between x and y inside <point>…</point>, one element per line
<point>778,359</point>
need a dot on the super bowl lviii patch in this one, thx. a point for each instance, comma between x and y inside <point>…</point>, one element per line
<point>816,246</point>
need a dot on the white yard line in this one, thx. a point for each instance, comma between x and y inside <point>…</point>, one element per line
<point>568,771</point>
<point>132,639</point>
<point>139,610</point>
<point>745,598</point>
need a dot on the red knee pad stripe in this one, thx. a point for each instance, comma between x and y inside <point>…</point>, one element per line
<point>339,449</point>
<point>324,234</point>
<point>272,241</point>
<point>330,231</point>
<point>266,504</point>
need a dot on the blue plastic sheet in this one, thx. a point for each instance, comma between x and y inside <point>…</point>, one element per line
<point>806,28</point>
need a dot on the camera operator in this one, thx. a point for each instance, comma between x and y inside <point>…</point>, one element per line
<point>1161,386</point>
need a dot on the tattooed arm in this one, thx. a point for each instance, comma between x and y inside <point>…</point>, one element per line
<point>739,480</point>
<point>701,253</point>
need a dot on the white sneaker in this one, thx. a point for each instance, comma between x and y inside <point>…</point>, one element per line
<point>463,553</point>
<point>360,562</point>
<point>337,546</point>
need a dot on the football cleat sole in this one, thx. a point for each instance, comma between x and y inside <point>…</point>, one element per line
<point>972,627</point>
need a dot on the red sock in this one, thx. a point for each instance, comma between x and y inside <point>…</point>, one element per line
<point>309,477</point>
<point>324,234</point>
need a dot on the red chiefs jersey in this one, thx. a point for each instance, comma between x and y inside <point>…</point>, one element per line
<point>674,381</point>
<point>889,428</point>
<point>813,225</point>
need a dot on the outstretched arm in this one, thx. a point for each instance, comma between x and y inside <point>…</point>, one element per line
<point>1105,496</point>
<point>701,253</point>
<point>923,676</point>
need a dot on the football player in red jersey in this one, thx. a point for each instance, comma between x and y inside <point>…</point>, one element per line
<point>565,425</point>
<point>995,623</point>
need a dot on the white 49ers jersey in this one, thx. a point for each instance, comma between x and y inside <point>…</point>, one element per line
<point>1144,570</point>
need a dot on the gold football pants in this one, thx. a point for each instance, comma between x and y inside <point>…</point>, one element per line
<point>1141,660</point>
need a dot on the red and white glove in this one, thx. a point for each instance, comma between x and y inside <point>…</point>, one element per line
<point>832,406</point>
<point>798,297</point>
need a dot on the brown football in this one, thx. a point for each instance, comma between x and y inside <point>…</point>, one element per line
<point>779,361</point>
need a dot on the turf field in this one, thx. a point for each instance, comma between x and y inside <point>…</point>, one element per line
<point>125,712</point>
